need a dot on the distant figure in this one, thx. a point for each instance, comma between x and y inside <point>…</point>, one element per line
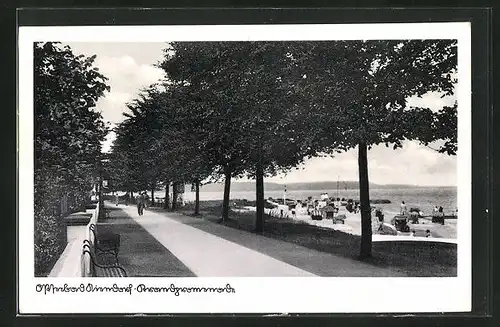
<point>427,233</point>
<point>294,214</point>
<point>140,203</point>
<point>380,215</point>
<point>441,211</point>
<point>117,199</point>
<point>412,233</point>
<point>403,208</point>
<point>435,211</point>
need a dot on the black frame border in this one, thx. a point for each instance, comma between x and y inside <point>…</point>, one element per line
<point>482,121</point>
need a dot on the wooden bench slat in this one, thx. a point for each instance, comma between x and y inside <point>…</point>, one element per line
<point>102,257</point>
<point>109,272</point>
<point>111,269</point>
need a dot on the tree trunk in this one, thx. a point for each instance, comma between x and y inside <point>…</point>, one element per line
<point>174,196</point>
<point>153,197</point>
<point>364,192</point>
<point>197,200</point>
<point>227,189</point>
<point>166,205</point>
<point>259,223</point>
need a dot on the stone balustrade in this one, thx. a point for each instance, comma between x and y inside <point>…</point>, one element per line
<point>69,263</point>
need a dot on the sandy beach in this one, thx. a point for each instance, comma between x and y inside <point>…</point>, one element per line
<point>352,224</point>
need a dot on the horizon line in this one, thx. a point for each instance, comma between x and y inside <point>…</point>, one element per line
<point>341,181</point>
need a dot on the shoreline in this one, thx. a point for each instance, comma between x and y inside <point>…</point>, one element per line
<point>352,224</point>
<point>423,199</point>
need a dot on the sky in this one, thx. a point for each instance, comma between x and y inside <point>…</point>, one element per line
<point>130,68</point>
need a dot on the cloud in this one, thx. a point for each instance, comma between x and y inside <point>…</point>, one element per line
<point>129,68</point>
<point>113,105</point>
<point>126,78</point>
<point>323,169</point>
<point>413,164</point>
<point>431,100</point>
<point>106,145</point>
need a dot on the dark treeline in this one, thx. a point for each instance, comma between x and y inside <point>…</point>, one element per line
<point>256,109</point>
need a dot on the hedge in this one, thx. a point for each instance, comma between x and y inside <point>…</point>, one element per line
<point>50,241</point>
<point>50,234</point>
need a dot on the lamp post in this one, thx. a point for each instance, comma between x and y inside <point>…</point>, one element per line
<point>101,202</point>
<point>102,160</point>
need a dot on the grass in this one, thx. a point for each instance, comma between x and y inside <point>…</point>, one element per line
<point>413,258</point>
<point>141,254</point>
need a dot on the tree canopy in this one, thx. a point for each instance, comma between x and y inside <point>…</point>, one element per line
<point>255,109</point>
<point>362,89</point>
<point>68,131</point>
<point>68,136</point>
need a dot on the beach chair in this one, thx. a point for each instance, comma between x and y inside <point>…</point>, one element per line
<point>401,223</point>
<point>339,218</point>
<point>414,217</point>
<point>316,215</point>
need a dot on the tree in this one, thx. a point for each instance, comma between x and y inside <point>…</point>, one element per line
<point>260,108</point>
<point>68,130</point>
<point>272,116</point>
<point>202,70</point>
<point>137,150</point>
<point>159,137</point>
<point>246,99</point>
<point>364,103</point>
<point>68,135</point>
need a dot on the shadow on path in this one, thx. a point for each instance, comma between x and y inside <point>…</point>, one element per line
<point>140,253</point>
<point>317,262</point>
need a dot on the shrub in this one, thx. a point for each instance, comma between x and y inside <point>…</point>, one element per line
<point>50,241</point>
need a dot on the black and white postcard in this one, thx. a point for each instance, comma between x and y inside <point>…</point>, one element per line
<point>245,168</point>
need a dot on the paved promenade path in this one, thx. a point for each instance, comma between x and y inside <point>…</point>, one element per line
<point>140,253</point>
<point>207,249</point>
<point>208,255</point>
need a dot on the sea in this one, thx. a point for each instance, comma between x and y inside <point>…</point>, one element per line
<point>424,198</point>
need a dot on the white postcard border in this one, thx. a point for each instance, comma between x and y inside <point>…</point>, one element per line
<point>252,295</point>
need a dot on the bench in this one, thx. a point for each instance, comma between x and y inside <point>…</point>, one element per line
<point>102,269</point>
<point>106,242</point>
<point>102,258</point>
<point>339,218</point>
